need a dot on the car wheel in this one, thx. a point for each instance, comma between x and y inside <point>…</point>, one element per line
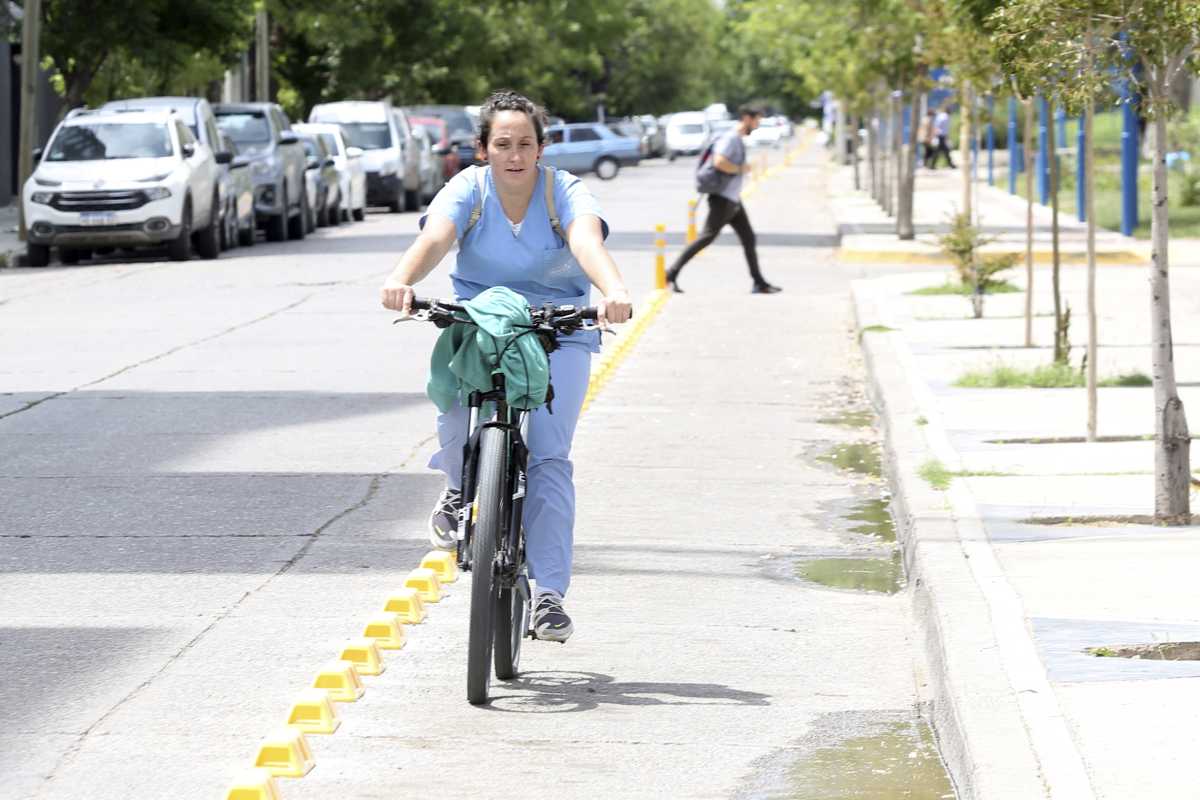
<point>398,202</point>
<point>671,155</point>
<point>607,168</point>
<point>180,248</point>
<point>229,230</point>
<point>334,217</point>
<point>37,255</point>
<point>208,238</point>
<point>277,226</point>
<point>245,236</point>
<point>68,255</point>
<point>412,200</point>
<point>359,214</point>
<point>298,225</point>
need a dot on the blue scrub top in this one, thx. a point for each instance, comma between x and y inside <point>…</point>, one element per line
<point>535,263</point>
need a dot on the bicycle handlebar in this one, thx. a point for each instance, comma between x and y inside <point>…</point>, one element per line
<point>585,313</point>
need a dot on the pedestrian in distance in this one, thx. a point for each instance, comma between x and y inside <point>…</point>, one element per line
<point>509,235</point>
<point>941,131</point>
<point>925,137</point>
<point>724,161</point>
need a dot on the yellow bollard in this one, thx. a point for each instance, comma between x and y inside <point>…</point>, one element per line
<point>660,257</point>
<point>691,232</point>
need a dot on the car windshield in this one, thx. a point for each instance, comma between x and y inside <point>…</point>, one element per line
<point>367,135</point>
<point>330,142</point>
<point>456,118</point>
<point>626,129</point>
<point>249,127</point>
<point>103,141</point>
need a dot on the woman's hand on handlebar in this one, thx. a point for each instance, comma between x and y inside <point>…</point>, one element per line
<point>397,297</point>
<point>614,308</point>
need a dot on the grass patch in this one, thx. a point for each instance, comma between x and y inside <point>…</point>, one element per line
<point>1047,376</point>
<point>874,329</point>
<point>963,290</point>
<point>935,474</point>
<point>921,420</point>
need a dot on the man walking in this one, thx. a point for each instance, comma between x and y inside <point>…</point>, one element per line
<point>725,206</point>
<point>941,129</point>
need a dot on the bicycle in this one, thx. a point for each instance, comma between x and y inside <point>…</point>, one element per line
<point>490,530</point>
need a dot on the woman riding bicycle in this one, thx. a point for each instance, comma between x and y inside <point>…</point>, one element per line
<point>513,244</point>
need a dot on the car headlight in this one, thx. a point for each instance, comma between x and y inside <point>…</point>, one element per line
<point>43,198</point>
<point>260,168</point>
<point>158,193</point>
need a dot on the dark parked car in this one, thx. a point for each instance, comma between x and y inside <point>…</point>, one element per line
<point>264,137</point>
<point>463,132</point>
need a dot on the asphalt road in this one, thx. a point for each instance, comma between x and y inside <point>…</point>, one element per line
<point>213,472</point>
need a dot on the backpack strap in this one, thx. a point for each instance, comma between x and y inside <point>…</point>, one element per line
<point>555,223</point>
<point>477,209</point>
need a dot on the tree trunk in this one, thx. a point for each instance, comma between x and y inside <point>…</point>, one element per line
<point>964,145</point>
<point>873,153</point>
<point>904,220</point>
<point>897,156</point>
<point>1062,347</point>
<point>885,165</point>
<point>854,156</point>
<point>1172,468</point>
<point>839,133</point>
<point>1029,161</point>
<point>1089,206</point>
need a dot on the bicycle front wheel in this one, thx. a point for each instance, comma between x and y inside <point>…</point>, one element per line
<point>489,494</point>
<point>512,621</point>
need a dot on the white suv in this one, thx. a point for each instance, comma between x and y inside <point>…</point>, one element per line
<point>136,178</point>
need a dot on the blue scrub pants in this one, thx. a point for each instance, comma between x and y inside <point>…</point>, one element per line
<point>550,490</point>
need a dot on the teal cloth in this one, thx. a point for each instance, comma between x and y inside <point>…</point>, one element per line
<point>466,356</point>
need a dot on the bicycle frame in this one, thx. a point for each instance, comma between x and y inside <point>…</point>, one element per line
<point>510,554</point>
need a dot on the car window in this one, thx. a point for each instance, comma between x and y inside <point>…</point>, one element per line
<point>555,136</point>
<point>368,135</point>
<point>691,128</point>
<point>185,134</point>
<point>330,142</point>
<point>246,127</point>
<point>456,118</point>
<point>310,147</point>
<point>103,141</point>
<point>584,135</point>
<point>210,130</point>
<point>281,120</point>
<point>402,125</point>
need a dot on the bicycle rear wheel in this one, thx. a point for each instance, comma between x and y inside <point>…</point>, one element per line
<point>489,494</point>
<point>512,621</point>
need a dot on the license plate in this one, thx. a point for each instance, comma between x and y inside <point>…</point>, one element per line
<point>97,218</point>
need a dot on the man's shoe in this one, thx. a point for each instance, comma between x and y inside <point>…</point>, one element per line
<point>765,288</point>
<point>672,281</point>
<point>550,622</point>
<point>443,522</point>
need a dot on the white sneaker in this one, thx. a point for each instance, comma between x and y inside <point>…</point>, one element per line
<point>550,622</point>
<point>443,522</point>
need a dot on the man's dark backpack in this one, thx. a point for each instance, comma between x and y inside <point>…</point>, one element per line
<point>709,179</point>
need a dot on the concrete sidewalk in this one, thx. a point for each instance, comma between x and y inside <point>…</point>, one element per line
<point>869,235</point>
<point>1022,564</point>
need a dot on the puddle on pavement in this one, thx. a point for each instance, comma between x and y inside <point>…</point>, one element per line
<point>862,418</point>
<point>882,575</point>
<point>1163,651</point>
<point>861,457</point>
<point>873,520</point>
<point>883,756</point>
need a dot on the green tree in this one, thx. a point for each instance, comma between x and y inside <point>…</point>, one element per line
<point>147,45</point>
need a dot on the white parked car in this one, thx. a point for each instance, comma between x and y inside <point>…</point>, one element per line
<point>390,159</point>
<point>352,177</point>
<point>125,179</point>
<point>768,132</point>
<point>687,133</point>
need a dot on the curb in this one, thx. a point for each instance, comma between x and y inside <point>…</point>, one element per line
<point>997,719</point>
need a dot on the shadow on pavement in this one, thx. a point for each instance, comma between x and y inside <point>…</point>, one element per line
<point>564,691</point>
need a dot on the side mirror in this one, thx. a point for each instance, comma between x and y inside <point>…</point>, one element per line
<point>224,157</point>
<point>289,137</point>
<point>37,154</point>
<point>312,163</point>
<point>329,162</point>
<point>240,162</point>
<point>188,150</point>
<point>354,152</point>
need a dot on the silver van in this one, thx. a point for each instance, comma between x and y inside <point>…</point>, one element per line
<point>390,154</point>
